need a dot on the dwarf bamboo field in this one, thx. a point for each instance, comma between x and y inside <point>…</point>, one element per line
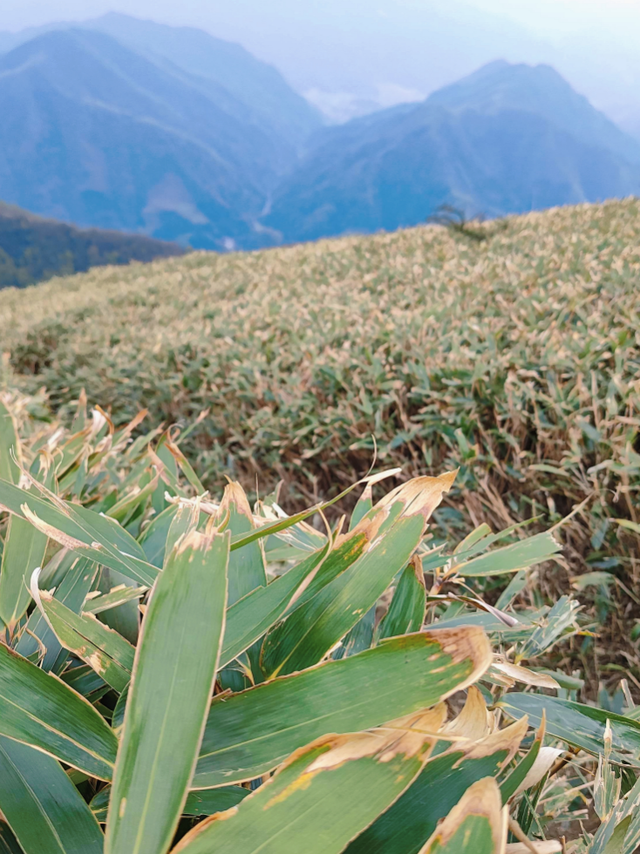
<point>514,357</point>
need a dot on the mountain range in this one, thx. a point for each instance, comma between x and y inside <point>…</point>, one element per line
<point>169,132</point>
<point>99,133</point>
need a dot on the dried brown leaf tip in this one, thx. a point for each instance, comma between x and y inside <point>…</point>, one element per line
<point>505,741</point>
<point>414,735</point>
<point>196,541</point>
<point>421,495</point>
<point>466,643</point>
<point>235,496</point>
<point>474,721</point>
<point>462,833</point>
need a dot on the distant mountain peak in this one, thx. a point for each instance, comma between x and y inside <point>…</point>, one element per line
<point>539,89</point>
<point>508,138</point>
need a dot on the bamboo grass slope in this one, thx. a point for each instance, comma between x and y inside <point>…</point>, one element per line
<point>190,673</point>
<point>514,356</point>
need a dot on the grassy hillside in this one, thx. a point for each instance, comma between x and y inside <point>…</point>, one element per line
<point>515,357</point>
<point>33,249</point>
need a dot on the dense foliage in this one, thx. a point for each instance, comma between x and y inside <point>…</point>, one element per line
<point>34,249</point>
<point>165,651</point>
<point>515,357</point>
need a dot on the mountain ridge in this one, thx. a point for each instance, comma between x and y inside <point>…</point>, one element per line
<point>490,144</point>
<point>33,249</point>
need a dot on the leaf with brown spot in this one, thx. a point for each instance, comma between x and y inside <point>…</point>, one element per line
<point>323,796</point>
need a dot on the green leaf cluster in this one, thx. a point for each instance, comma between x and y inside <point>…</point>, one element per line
<point>187,673</point>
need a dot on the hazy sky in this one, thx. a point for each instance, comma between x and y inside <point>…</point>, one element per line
<point>388,50</point>
<point>545,16</point>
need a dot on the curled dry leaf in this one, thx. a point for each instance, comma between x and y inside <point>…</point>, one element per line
<point>517,673</point>
<point>543,764</point>
<point>474,721</point>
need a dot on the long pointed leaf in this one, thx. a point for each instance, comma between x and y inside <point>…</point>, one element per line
<point>511,558</point>
<point>324,795</point>
<point>246,565</point>
<point>251,732</point>
<point>87,533</point>
<point>577,724</point>
<point>254,614</point>
<point>394,530</point>
<point>24,550</point>
<point>410,821</point>
<point>44,809</point>
<point>169,696</point>
<point>40,710</point>
<point>77,580</point>
<point>9,446</point>
<point>407,609</point>
<point>107,652</point>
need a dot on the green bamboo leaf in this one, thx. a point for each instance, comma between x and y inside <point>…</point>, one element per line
<point>518,775</point>
<point>107,652</point>
<point>246,572</point>
<point>126,506</point>
<point>476,825</point>
<point>253,615</point>
<point>83,531</point>
<point>117,720</point>
<point>316,626</point>
<point>169,695</point>
<point>363,506</point>
<point>246,565</point>
<point>211,801</point>
<point>77,579</point>
<point>23,552</point>
<point>282,524</point>
<point>394,529</point>
<point>359,638</point>
<point>323,796</point>
<point>407,609</point>
<point>40,710</point>
<point>579,725</point>
<point>125,617</point>
<point>511,558</point>
<point>154,537</point>
<point>473,539</point>
<point>413,818</point>
<point>343,555</point>
<point>620,833</point>
<point>9,446</point>
<point>405,826</point>
<point>44,809</point>
<point>249,733</point>
<point>561,617</point>
<point>84,680</point>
